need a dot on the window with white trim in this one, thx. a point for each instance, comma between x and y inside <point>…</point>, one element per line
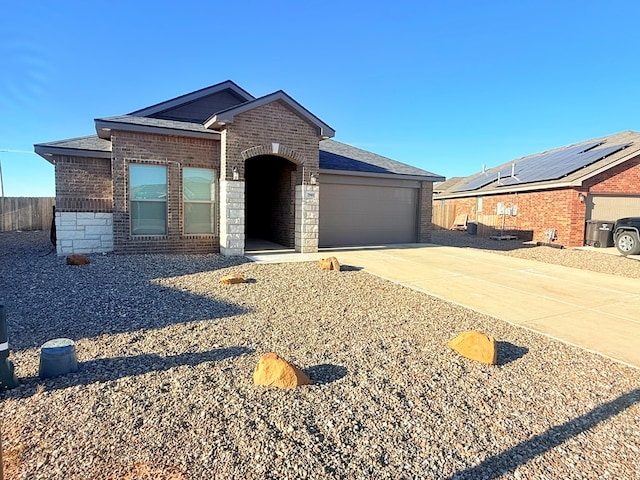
<point>198,194</point>
<point>148,199</point>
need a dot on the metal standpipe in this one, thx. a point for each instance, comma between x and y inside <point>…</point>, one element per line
<point>8,377</point>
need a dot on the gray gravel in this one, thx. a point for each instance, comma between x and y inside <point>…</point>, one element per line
<point>167,353</point>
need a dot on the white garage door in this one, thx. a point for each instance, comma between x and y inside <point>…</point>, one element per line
<point>356,214</point>
<point>608,207</point>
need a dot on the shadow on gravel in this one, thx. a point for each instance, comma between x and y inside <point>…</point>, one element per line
<point>325,373</point>
<point>508,352</point>
<point>107,369</point>
<point>46,299</point>
<point>509,460</point>
<point>349,268</point>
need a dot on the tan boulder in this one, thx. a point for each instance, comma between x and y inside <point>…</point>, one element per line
<point>330,263</point>
<point>233,278</point>
<point>76,259</point>
<point>476,346</point>
<point>274,371</point>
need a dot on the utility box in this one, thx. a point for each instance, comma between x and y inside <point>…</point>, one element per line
<point>599,233</point>
<point>7,376</point>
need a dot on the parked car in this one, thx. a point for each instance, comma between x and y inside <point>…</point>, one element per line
<point>626,235</point>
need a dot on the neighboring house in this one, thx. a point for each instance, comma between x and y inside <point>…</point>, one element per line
<point>205,171</point>
<point>551,195</point>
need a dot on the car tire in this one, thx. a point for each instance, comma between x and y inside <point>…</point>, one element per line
<point>627,243</point>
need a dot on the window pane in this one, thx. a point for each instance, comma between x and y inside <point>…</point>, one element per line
<point>148,182</point>
<point>148,218</point>
<point>198,217</point>
<point>198,184</point>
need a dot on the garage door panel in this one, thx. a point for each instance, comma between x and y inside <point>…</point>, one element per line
<point>610,207</point>
<point>367,215</point>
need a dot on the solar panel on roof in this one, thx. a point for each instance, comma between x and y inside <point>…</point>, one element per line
<point>557,164</point>
<point>477,182</point>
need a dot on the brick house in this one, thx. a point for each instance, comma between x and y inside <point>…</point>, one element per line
<point>208,170</point>
<point>551,195</point>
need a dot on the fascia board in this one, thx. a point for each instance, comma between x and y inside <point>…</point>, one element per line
<point>397,176</point>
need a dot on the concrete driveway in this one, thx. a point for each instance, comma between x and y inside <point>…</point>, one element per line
<point>599,312</point>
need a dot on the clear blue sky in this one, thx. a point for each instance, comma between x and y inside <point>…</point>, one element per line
<point>443,85</point>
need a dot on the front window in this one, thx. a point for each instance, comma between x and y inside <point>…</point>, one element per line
<point>148,199</point>
<point>198,187</point>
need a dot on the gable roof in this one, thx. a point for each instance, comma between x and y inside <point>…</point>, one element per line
<point>191,115</point>
<point>336,156</point>
<point>223,117</point>
<point>203,102</point>
<point>568,166</point>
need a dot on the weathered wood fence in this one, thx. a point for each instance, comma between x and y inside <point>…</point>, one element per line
<point>26,213</point>
<point>443,217</point>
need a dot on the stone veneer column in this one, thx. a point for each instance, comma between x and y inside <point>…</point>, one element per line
<point>307,218</point>
<point>232,219</point>
<point>83,232</point>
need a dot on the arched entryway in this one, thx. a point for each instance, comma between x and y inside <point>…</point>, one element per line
<point>270,199</point>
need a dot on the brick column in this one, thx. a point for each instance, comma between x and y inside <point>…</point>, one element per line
<point>426,210</point>
<point>307,218</point>
<point>232,220</point>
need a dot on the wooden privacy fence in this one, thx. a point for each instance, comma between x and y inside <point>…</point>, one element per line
<point>26,213</point>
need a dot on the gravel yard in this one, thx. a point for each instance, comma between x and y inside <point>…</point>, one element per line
<point>164,389</point>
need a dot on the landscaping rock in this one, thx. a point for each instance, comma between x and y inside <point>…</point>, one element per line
<point>274,371</point>
<point>476,346</point>
<point>76,259</point>
<point>330,263</point>
<point>233,278</point>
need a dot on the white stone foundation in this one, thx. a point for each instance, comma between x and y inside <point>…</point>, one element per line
<point>232,221</point>
<point>307,218</point>
<point>84,232</point>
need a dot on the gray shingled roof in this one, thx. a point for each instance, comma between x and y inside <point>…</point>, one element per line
<point>157,123</point>
<point>90,142</point>
<point>340,156</point>
<point>90,146</point>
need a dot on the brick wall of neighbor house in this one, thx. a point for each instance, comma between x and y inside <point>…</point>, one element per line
<point>174,153</point>
<point>621,179</point>
<point>83,184</point>
<point>426,226</point>
<point>558,209</point>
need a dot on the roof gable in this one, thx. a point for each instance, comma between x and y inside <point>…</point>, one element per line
<point>199,105</point>
<point>221,118</point>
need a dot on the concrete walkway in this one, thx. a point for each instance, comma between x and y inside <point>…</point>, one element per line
<point>596,311</point>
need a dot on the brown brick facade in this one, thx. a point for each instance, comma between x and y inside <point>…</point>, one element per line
<point>175,153</point>
<point>624,178</point>
<point>537,212</point>
<point>253,133</point>
<point>426,225</point>
<point>83,184</point>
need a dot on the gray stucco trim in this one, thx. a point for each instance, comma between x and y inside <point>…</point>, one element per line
<point>223,117</point>
<point>394,176</point>
<point>160,127</point>
<point>190,97</point>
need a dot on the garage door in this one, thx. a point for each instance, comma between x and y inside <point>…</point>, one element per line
<point>356,214</point>
<point>609,207</point>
